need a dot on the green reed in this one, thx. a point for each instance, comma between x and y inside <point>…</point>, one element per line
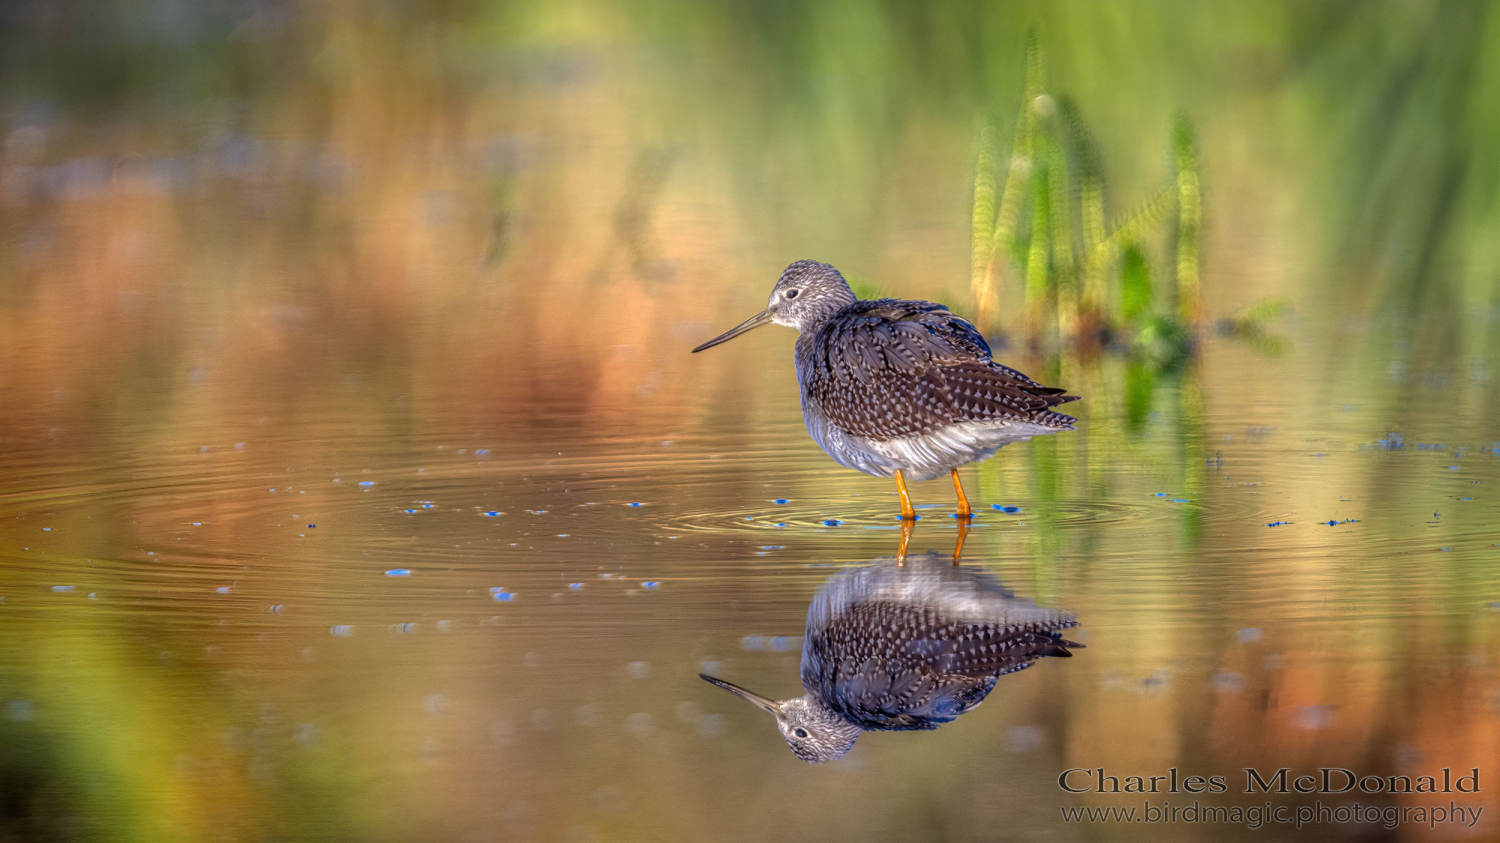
<point>1085,280</point>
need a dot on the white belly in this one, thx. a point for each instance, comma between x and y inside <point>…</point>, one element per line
<point>920,457</point>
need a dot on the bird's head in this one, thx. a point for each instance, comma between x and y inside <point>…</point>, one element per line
<point>814,732</point>
<point>805,296</point>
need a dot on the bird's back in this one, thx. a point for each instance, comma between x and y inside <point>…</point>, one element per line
<point>913,646</point>
<point>891,368</point>
<point>900,667</point>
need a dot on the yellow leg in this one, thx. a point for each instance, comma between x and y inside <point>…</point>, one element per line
<point>907,526</point>
<point>963,533</point>
<point>908,512</point>
<point>963,501</point>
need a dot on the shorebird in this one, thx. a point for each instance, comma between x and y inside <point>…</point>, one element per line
<point>899,388</point>
<point>903,649</point>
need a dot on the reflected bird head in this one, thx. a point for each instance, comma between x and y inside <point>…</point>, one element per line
<point>807,295</point>
<point>814,732</point>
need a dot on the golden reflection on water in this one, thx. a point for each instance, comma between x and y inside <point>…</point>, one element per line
<point>397,301</point>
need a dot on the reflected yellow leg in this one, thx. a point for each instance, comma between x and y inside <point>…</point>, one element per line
<point>908,512</point>
<point>963,501</point>
<point>907,526</point>
<point>963,533</point>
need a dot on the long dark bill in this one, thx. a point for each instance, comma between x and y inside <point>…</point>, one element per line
<point>759,319</point>
<point>765,703</point>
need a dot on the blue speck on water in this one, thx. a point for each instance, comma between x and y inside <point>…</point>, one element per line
<point>1445,549</point>
<point>576,586</point>
<point>398,572</point>
<point>1453,468</point>
<point>781,523</point>
<point>636,503</point>
<point>341,630</point>
<point>831,522</point>
<point>367,482</point>
<point>1000,507</point>
<point>651,584</point>
<point>1179,500</point>
<point>502,596</point>
<point>749,517</point>
<point>61,588</point>
<point>1466,499</point>
<point>223,589</point>
<point>492,513</point>
<point>897,517</point>
<point>46,529</point>
<point>781,501</point>
<point>427,505</point>
<point>197,523</point>
<point>1277,523</point>
<point>482,452</point>
<point>1161,494</point>
<point>773,547</point>
<point>410,511</point>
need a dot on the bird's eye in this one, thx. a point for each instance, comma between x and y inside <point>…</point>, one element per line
<point>799,731</point>
<point>791,294</point>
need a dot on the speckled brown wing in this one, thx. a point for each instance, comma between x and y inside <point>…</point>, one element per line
<point>891,666</point>
<point>890,368</point>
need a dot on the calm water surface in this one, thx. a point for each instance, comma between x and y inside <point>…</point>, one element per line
<point>409,623</point>
<point>356,482</point>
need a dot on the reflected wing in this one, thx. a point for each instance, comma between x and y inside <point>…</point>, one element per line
<point>889,368</point>
<point>894,666</point>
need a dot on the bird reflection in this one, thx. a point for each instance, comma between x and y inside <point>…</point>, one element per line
<point>904,647</point>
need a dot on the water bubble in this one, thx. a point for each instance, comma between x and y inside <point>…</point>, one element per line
<point>1026,739</point>
<point>586,715</point>
<point>1314,717</point>
<point>711,725</point>
<point>1228,682</point>
<point>639,724</point>
<point>688,711</point>
<point>367,482</point>
<point>398,572</point>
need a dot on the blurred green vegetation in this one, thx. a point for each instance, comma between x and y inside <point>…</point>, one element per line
<point>1086,283</point>
<point>1385,112</point>
<point>1277,172</point>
